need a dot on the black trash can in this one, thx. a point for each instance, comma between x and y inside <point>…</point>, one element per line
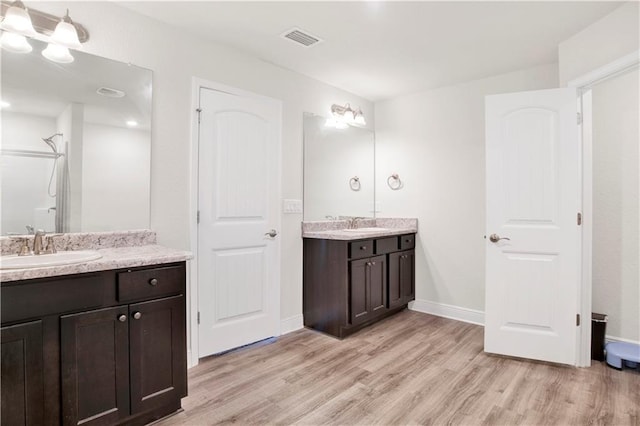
<point>598,331</point>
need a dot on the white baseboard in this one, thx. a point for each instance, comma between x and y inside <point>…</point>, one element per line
<point>608,339</point>
<point>287,325</point>
<point>448,311</point>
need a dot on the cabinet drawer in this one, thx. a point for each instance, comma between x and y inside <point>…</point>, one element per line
<point>360,249</point>
<point>150,283</point>
<point>386,245</point>
<point>407,241</point>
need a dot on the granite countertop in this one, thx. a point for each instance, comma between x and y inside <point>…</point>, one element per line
<point>375,228</point>
<point>112,258</point>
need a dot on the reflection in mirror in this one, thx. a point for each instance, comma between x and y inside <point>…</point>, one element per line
<point>76,144</point>
<point>338,170</point>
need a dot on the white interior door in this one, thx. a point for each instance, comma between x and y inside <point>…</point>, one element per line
<point>533,199</point>
<point>238,193</point>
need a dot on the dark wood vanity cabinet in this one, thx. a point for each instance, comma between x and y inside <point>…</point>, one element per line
<point>351,284</point>
<point>123,361</point>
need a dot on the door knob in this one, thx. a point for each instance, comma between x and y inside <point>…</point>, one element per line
<point>271,234</point>
<point>494,238</point>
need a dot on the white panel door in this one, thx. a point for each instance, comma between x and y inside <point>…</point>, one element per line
<point>238,187</point>
<point>533,198</point>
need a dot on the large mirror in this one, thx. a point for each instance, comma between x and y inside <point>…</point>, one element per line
<point>338,170</point>
<point>76,144</point>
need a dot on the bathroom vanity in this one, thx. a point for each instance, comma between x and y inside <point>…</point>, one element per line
<point>106,345</point>
<point>355,278</point>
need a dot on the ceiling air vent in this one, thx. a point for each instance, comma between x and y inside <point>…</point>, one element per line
<point>301,37</point>
<point>110,93</point>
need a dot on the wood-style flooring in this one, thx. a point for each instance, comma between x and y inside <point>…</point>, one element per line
<point>411,368</point>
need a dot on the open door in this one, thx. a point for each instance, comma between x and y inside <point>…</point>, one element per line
<point>533,244</point>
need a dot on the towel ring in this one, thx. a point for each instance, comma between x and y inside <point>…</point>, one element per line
<point>394,182</point>
<point>354,183</point>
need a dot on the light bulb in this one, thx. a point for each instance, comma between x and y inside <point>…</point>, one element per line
<point>15,43</point>
<point>17,20</point>
<point>65,34</point>
<point>57,53</point>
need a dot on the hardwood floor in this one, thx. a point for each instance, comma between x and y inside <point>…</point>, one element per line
<point>412,368</point>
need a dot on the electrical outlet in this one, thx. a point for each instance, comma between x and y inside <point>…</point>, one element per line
<point>292,206</point>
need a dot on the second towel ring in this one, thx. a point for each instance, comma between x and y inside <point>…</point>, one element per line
<point>394,182</point>
<point>354,183</point>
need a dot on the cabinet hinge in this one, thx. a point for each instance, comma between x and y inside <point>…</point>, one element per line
<point>199,110</point>
<point>577,320</point>
<point>198,217</point>
<point>579,118</point>
<point>579,218</point>
<point>198,317</point>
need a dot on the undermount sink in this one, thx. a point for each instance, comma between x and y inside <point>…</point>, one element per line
<point>366,230</point>
<point>43,260</point>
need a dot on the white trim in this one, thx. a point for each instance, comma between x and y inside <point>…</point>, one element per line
<point>457,313</point>
<point>584,84</point>
<point>608,339</point>
<point>620,65</point>
<point>197,84</point>
<point>291,324</point>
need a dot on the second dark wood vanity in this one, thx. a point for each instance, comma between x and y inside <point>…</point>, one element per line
<point>349,284</point>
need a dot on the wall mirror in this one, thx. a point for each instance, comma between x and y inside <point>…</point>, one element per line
<point>338,170</point>
<point>76,144</point>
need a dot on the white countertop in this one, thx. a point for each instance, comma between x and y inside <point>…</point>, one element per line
<point>112,258</point>
<point>337,229</point>
<point>340,234</point>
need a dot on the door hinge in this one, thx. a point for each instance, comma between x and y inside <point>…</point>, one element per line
<point>579,118</point>
<point>579,218</point>
<point>198,317</point>
<point>198,217</point>
<point>199,110</point>
<point>577,320</point>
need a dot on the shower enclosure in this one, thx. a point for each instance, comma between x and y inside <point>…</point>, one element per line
<point>35,188</point>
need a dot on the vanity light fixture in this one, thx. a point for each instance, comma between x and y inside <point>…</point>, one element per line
<point>17,20</point>
<point>344,116</point>
<point>62,33</point>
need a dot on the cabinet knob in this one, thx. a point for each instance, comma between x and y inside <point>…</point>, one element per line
<point>153,281</point>
<point>122,318</point>
<point>373,263</point>
<point>137,315</point>
<point>363,247</point>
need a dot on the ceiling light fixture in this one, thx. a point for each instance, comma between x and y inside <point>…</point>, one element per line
<point>343,116</point>
<point>17,20</point>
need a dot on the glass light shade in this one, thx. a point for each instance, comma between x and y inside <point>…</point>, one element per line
<point>359,120</point>
<point>15,43</point>
<point>18,21</point>
<point>66,35</point>
<point>57,53</point>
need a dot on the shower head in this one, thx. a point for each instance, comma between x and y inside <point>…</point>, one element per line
<point>49,141</point>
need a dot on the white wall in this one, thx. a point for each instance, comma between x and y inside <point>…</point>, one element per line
<point>25,180</point>
<point>115,170</point>
<point>70,123</point>
<point>616,231</point>
<point>613,36</point>
<point>175,58</point>
<point>435,141</point>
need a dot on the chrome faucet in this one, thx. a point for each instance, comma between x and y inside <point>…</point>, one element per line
<point>37,242</point>
<point>353,222</point>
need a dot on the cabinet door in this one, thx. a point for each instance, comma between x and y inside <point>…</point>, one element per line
<point>94,358</point>
<point>158,353</point>
<point>358,291</point>
<point>22,374</point>
<point>377,282</point>
<point>401,278</point>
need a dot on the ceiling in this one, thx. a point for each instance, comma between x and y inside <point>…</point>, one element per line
<point>378,49</point>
